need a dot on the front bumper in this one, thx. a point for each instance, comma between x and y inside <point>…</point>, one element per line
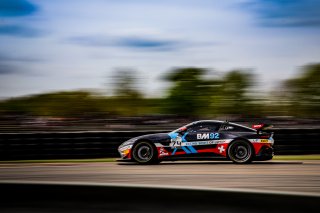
<point>125,151</point>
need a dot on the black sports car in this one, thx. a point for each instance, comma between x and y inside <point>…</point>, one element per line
<point>199,140</point>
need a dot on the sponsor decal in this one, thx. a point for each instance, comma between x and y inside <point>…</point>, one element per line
<point>176,141</point>
<point>198,143</point>
<point>261,141</point>
<point>163,152</point>
<point>221,149</point>
<point>203,136</point>
<point>257,126</point>
<point>207,136</point>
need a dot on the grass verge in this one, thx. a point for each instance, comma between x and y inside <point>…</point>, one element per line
<point>95,160</point>
<point>296,157</point>
<point>63,160</point>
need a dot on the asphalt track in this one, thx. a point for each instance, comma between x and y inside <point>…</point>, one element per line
<point>273,176</point>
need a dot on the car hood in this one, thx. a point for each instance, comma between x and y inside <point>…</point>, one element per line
<point>152,137</point>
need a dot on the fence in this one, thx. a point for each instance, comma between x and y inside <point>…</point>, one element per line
<point>68,145</point>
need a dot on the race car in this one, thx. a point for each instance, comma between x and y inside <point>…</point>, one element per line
<point>206,139</point>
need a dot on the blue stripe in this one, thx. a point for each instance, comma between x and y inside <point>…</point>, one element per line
<point>185,149</point>
<point>193,150</point>
<point>184,137</point>
<point>174,151</point>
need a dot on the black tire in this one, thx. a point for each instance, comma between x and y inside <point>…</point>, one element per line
<point>145,153</point>
<point>240,152</point>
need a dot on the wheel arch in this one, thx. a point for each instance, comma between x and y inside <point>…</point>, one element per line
<point>144,140</point>
<point>147,141</point>
<point>242,139</point>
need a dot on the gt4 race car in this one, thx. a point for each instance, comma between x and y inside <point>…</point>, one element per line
<point>202,140</point>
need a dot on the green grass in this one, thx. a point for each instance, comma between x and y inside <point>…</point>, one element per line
<point>63,161</point>
<point>95,160</point>
<point>296,157</point>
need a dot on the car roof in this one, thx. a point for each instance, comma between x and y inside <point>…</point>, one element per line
<point>219,122</point>
<point>206,121</point>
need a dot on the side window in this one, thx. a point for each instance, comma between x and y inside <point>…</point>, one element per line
<point>203,127</point>
<point>235,128</point>
<point>228,128</point>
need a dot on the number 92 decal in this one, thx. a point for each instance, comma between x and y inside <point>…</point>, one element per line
<point>208,136</point>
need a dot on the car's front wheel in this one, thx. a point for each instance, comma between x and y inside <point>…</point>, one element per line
<point>240,151</point>
<point>144,153</point>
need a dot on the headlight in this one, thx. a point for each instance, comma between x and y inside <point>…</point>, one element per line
<point>124,150</point>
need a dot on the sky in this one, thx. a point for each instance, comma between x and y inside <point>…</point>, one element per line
<point>60,45</point>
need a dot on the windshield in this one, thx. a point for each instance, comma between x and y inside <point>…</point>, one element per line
<point>181,129</point>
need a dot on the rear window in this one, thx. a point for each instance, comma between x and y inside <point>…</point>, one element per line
<point>204,127</point>
<point>236,128</point>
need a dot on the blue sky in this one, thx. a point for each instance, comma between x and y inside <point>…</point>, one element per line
<point>79,44</point>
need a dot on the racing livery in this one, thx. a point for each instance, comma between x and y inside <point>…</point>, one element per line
<point>202,140</point>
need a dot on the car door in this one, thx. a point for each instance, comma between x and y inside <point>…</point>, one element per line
<point>202,136</point>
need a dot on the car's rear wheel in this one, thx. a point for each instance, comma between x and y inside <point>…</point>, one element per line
<point>240,151</point>
<point>144,153</point>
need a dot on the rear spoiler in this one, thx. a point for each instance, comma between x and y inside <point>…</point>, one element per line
<point>260,127</point>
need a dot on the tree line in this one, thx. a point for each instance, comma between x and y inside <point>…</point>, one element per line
<point>193,92</point>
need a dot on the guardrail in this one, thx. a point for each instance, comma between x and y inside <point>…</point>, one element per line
<point>67,145</point>
<point>76,197</point>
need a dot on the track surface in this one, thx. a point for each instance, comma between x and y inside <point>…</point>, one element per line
<point>299,176</point>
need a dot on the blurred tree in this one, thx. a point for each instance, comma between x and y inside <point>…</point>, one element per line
<point>193,94</point>
<point>60,104</point>
<point>125,84</point>
<point>234,92</point>
<point>304,91</point>
<point>190,93</point>
<point>127,99</point>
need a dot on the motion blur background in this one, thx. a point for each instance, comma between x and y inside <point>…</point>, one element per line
<point>141,64</point>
